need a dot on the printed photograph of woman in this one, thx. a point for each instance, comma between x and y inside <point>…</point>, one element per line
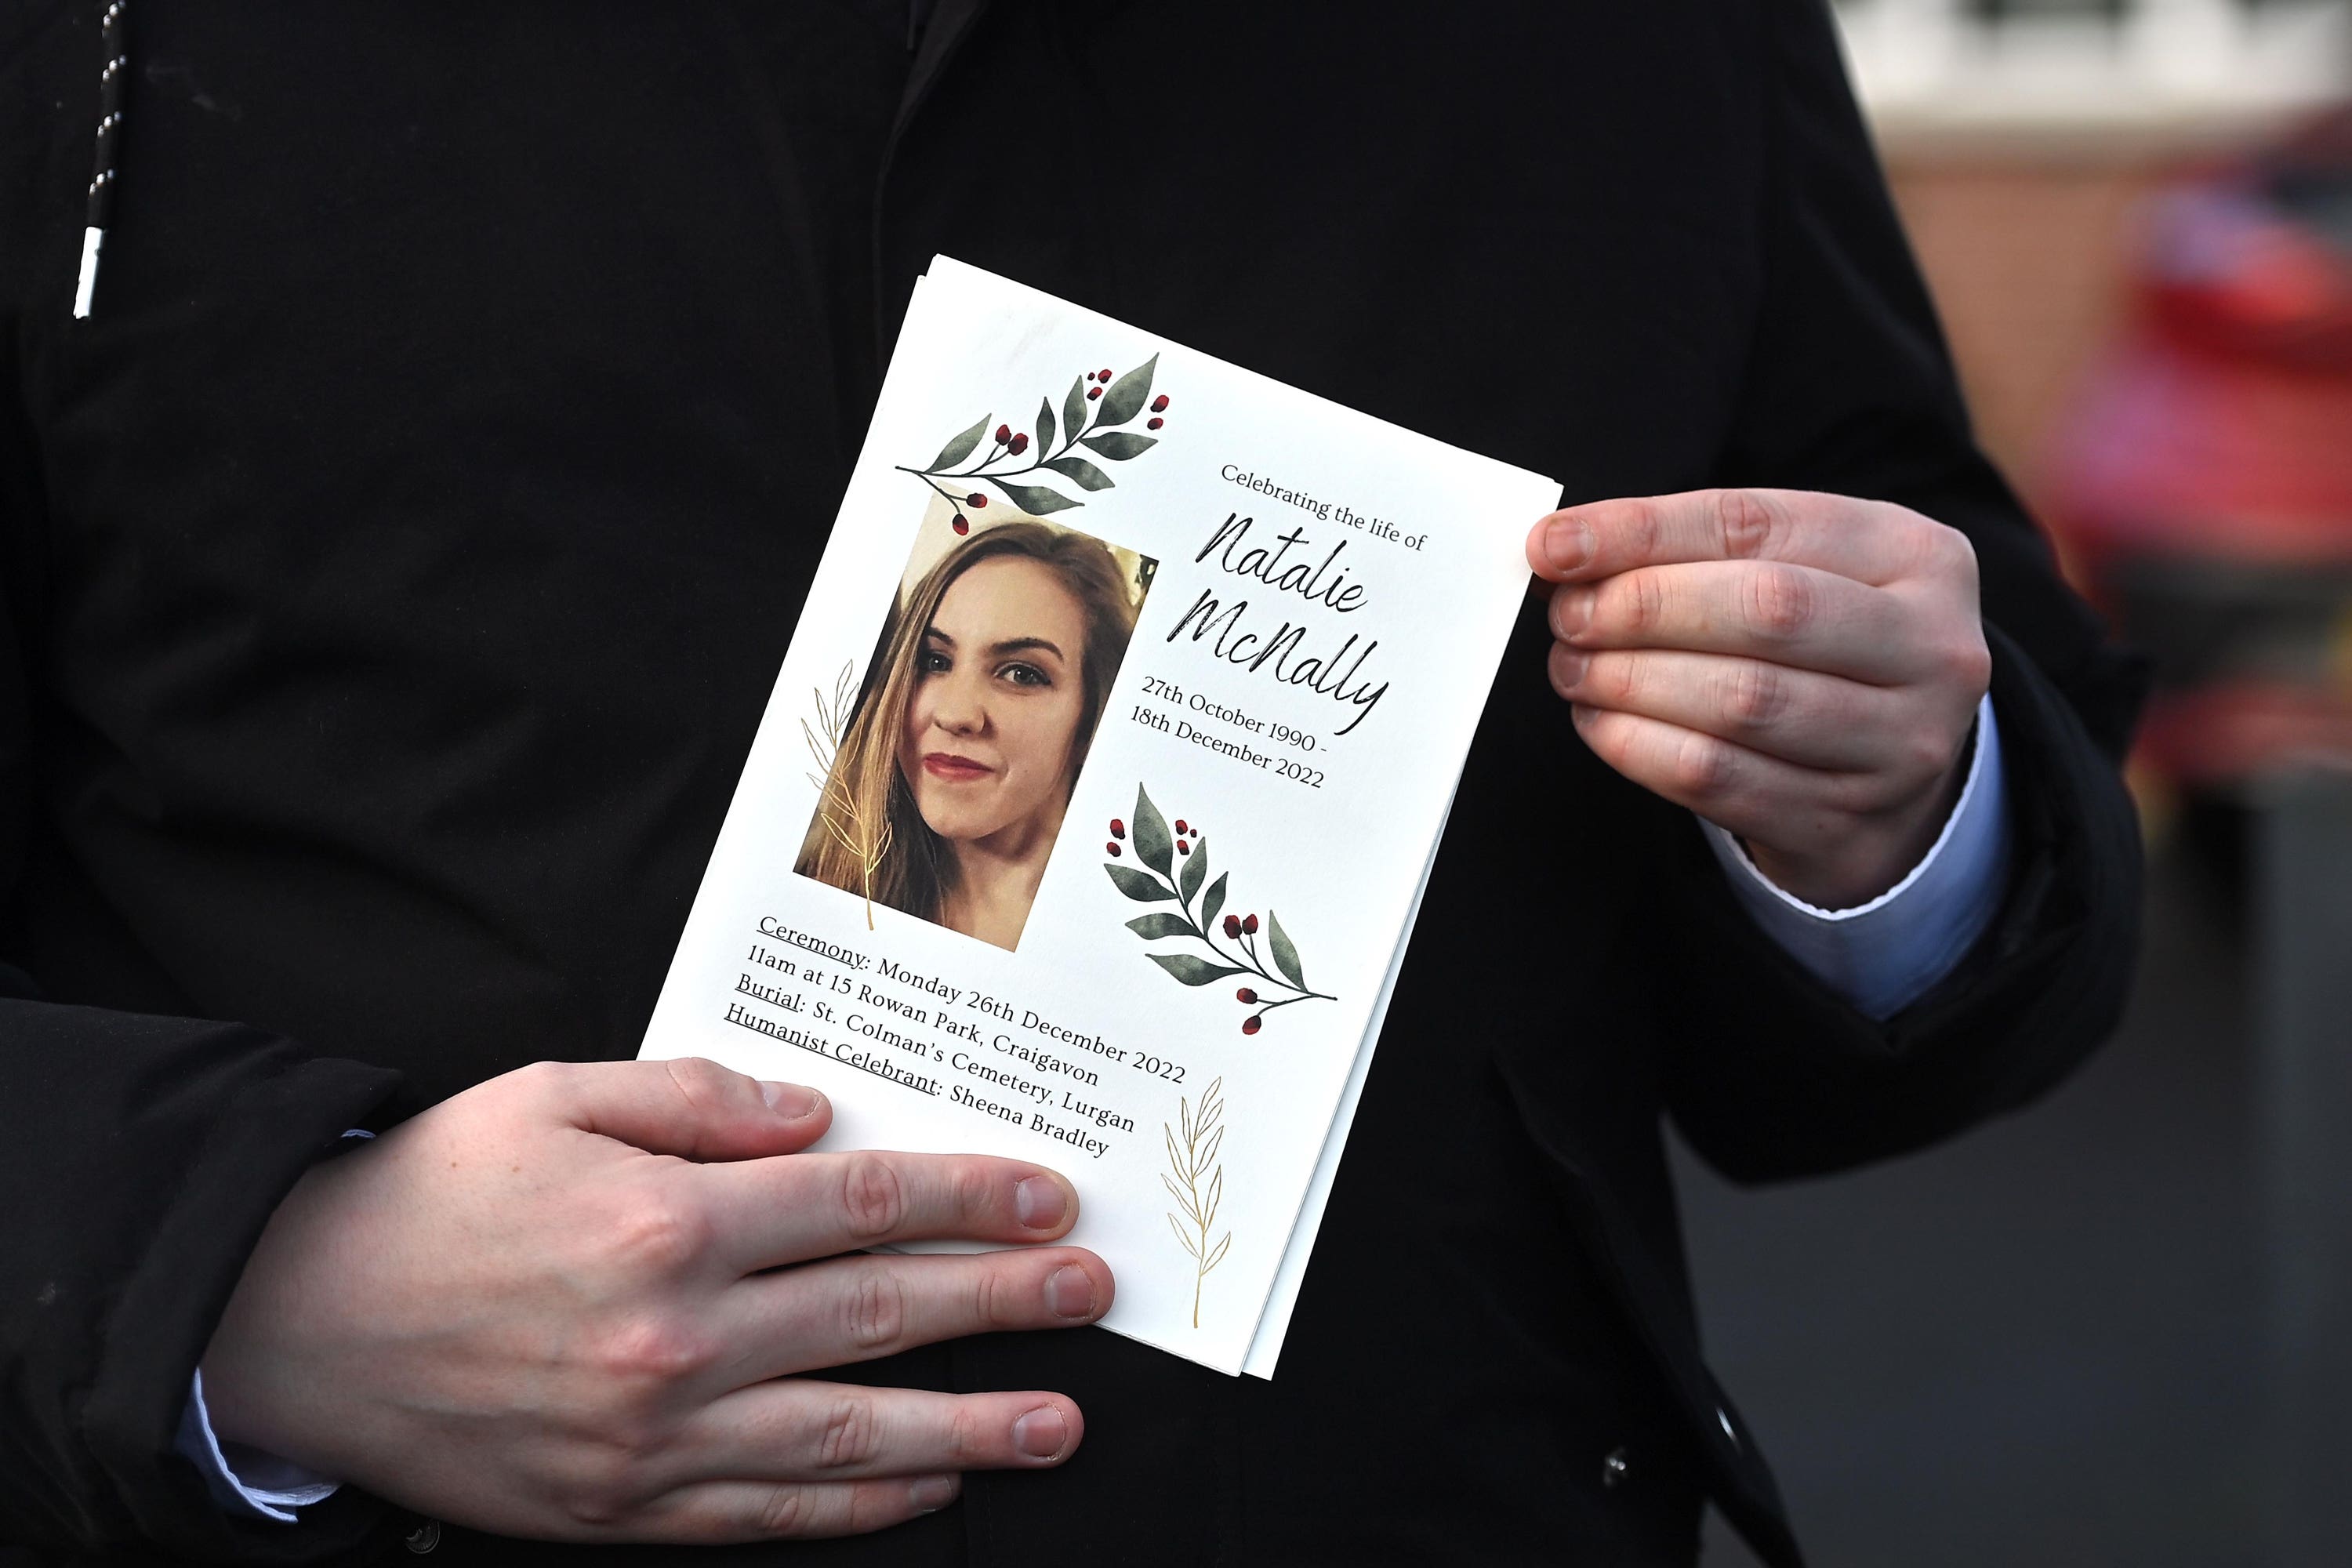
<point>955,768</point>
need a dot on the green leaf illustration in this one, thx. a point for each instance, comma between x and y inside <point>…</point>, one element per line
<point>1151,928</point>
<point>1196,867</point>
<point>1119,445</point>
<point>1078,469</point>
<point>1074,408</point>
<point>1214,903</point>
<point>1286,957</point>
<point>1125,399</point>
<point>1192,971</point>
<point>1153,846</point>
<point>1035,500</point>
<point>1137,886</point>
<point>957,450</point>
<point>1045,424</point>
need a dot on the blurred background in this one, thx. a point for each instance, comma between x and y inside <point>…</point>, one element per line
<point>2118,1328</point>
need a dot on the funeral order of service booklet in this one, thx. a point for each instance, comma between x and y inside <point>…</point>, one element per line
<point>1091,809</point>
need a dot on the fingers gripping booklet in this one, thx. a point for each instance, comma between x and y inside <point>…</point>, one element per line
<point>1089,818</point>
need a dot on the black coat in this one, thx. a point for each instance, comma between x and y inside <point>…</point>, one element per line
<point>397,561</point>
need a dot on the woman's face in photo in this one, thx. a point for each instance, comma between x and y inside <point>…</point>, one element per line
<point>998,693</point>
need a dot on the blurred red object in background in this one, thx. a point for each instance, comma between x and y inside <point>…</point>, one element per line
<point>2203,482</point>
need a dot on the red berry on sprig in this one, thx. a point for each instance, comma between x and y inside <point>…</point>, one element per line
<point>1102,376</point>
<point>962,524</point>
<point>975,501</point>
<point>1114,850</point>
<point>1251,1025</point>
<point>1182,847</point>
<point>1232,925</point>
<point>1118,828</point>
<point>1160,403</point>
<point>1181,827</point>
<point>1148,424</point>
<point>1249,925</point>
<point>1020,442</point>
<point>1004,434</point>
<point>1246,995</point>
<point>1093,393</point>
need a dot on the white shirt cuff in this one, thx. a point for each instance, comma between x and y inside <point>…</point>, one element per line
<point>1884,955</point>
<point>244,1480</point>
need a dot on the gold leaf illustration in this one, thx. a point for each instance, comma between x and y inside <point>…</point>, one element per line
<point>1192,1145</point>
<point>837,807</point>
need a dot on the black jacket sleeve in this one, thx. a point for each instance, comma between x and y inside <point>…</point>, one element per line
<point>139,1156</point>
<point>142,1157</point>
<point>1850,389</point>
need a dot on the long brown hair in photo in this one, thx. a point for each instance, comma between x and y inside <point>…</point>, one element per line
<point>867,837</point>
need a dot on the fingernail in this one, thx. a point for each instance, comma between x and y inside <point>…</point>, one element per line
<point>1571,609</point>
<point>1041,1433</point>
<point>1568,666</point>
<point>790,1100</point>
<point>1567,543</point>
<point>933,1494</point>
<point>1070,1293</point>
<point>1040,1202</point>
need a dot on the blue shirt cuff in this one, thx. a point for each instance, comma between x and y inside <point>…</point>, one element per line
<point>244,1480</point>
<point>1884,955</point>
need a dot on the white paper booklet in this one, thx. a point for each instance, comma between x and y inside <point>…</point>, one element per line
<point>1090,810</point>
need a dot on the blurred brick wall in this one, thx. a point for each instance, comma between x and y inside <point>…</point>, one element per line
<point>2027,251</point>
